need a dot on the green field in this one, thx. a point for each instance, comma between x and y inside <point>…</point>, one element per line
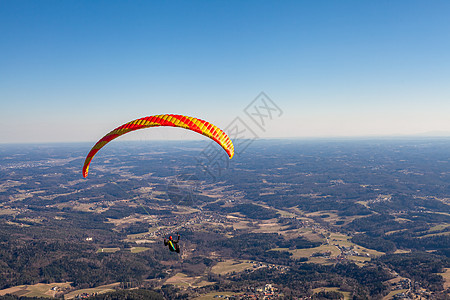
<point>108,250</point>
<point>36,290</point>
<point>393,293</point>
<point>183,280</point>
<point>138,249</point>
<point>438,227</point>
<point>435,234</point>
<point>100,290</point>
<point>446,276</point>
<point>7,211</point>
<point>230,266</point>
<point>142,234</point>
<point>347,295</point>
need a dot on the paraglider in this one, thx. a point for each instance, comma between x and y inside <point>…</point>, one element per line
<point>173,245</point>
<point>203,127</point>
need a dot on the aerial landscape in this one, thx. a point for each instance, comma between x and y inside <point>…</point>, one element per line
<point>225,149</point>
<point>299,218</point>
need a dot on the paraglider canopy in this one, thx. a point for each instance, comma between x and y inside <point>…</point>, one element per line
<point>203,127</point>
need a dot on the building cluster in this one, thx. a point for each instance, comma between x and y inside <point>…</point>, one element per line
<point>403,284</point>
<point>256,265</point>
<point>170,225</point>
<point>412,290</point>
<point>267,291</point>
<point>381,198</point>
<point>349,251</point>
<point>85,295</point>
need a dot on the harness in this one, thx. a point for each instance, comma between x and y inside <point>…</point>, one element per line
<point>171,246</point>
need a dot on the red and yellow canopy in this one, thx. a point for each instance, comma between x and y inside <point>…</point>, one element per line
<point>203,127</point>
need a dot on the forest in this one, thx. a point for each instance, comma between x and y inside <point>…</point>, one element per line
<point>283,206</point>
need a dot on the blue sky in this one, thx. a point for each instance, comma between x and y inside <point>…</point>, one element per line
<point>73,70</point>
